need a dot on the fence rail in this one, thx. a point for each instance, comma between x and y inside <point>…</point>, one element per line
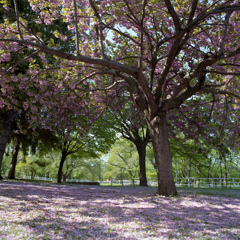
<point>180,182</point>
<point>184,182</point>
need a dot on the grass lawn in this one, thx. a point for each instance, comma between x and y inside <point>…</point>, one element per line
<point>52,211</point>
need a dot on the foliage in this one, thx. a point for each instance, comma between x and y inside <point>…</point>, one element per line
<point>122,161</point>
<point>32,166</point>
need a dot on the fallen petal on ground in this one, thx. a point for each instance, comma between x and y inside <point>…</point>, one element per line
<point>50,211</point>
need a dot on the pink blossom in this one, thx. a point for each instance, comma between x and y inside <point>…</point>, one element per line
<point>39,211</point>
<point>48,21</point>
<point>5,57</point>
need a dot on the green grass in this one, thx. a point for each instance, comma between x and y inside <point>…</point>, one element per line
<point>223,191</point>
<point>217,191</point>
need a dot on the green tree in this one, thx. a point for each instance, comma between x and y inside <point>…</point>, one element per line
<point>125,119</point>
<point>32,166</point>
<point>122,162</point>
<point>87,144</point>
<point>38,141</point>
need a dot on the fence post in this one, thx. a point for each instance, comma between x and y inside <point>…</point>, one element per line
<point>233,182</point>
<point>189,184</point>
<point>111,181</point>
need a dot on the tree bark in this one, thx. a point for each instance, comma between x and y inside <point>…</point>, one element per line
<point>221,173</point>
<point>160,140</point>
<point>5,135</point>
<point>189,167</point>
<point>33,173</point>
<point>67,174</point>
<point>60,169</point>
<point>64,177</point>
<point>225,171</point>
<point>11,174</point>
<point>141,148</point>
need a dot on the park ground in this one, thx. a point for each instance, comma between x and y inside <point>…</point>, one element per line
<point>50,211</point>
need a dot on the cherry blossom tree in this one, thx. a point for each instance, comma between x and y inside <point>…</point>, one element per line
<point>167,53</point>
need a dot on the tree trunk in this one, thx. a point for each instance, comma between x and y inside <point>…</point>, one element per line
<point>160,140</point>
<point>5,135</point>
<point>141,148</point>
<point>189,171</point>
<point>189,167</point>
<point>11,174</point>
<point>67,173</point>
<point>64,178</point>
<point>33,173</point>
<point>225,171</point>
<point>60,169</point>
<point>221,173</point>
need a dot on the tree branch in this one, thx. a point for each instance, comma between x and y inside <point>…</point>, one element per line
<point>100,40</point>
<point>141,37</point>
<point>211,111</point>
<point>93,7</point>
<point>150,99</point>
<point>226,23</point>
<point>99,28</point>
<point>175,101</point>
<point>89,76</point>
<point>203,16</point>
<point>31,34</point>
<point>101,62</point>
<point>19,62</point>
<point>170,59</point>
<point>220,92</point>
<point>193,10</point>
<point>99,89</point>
<point>17,19</point>
<point>173,14</point>
<point>76,27</point>
<point>222,73</point>
<point>122,33</point>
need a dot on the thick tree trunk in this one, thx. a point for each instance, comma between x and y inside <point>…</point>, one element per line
<point>60,169</point>
<point>5,135</point>
<point>160,140</point>
<point>141,148</point>
<point>11,174</point>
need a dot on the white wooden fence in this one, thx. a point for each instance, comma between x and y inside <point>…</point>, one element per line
<point>184,182</point>
<point>180,182</point>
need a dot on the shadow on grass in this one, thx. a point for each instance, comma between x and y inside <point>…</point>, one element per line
<point>81,212</point>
